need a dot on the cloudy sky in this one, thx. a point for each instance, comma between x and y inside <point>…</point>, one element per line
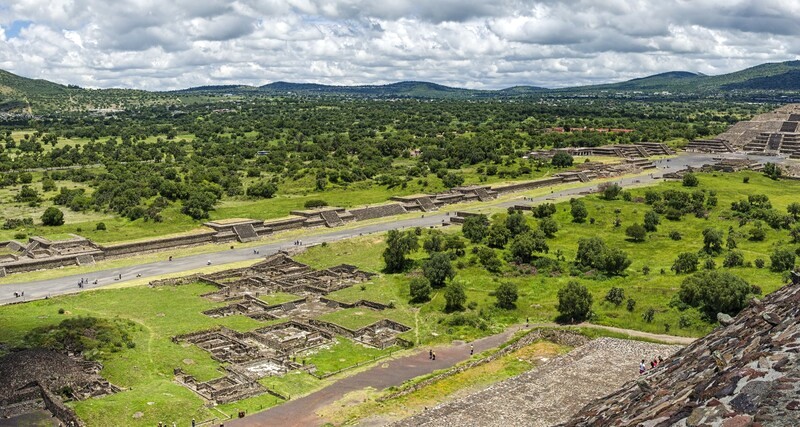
<point>170,44</point>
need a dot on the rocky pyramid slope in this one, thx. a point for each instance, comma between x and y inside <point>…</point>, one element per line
<point>743,374</point>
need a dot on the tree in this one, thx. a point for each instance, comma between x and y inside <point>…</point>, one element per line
<point>548,226</point>
<point>452,180</point>
<point>610,191</point>
<point>636,232</point>
<point>574,301</point>
<point>651,221</point>
<point>578,211</point>
<point>712,241</point>
<point>526,244</point>
<point>420,289</point>
<point>794,210</point>
<point>648,315</point>
<point>562,159</point>
<point>516,223</point>
<point>730,241</point>
<point>690,180</point>
<point>507,295</point>
<point>498,236</point>
<point>757,233</point>
<point>795,234</point>
<point>773,171</point>
<point>615,261</point>
<point>475,228</point>
<point>27,194</point>
<point>398,245</point>
<point>198,204</point>
<point>454,244</point>
<point>685,263</point>
<point>715,292</point>
<point>454,297</point>
<point>53,216</point>
<point>782,259</point>
<point>437,269</point>
<point>615,296</point>
<point>48,184</point>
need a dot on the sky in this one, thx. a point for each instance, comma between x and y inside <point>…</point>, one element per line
<point>481,44</point>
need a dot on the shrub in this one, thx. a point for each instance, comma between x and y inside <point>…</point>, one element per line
<point>262,189</point>
<point>578,211</point>
<point>20,236</point>
<point>101,226</point>
<point>574,302</point>
<point>675,235</point>
<point>475,228</point>
<point>615,296</point>
<point>53,216</point>
<point>709,264</point>
<point>548,226</point>
<point>759,263</point>
<point>610,191</point>
<point>649,315</point>
<point>526,244</point>
<point>562,160</point>
<point>651,221</point>
<point>757,233</point>
<point>489,259</point>
<point>631,305</point>
<point>60,311</point>
<point>544,210</point>
<point>734,259</point>
<point>746,179</point>
<point>712,241</point>
<point>690,180</point>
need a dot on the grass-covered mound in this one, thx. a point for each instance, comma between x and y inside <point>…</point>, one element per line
<point>90,336</point>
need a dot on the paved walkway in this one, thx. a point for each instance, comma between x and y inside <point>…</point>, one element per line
<point>69,284</point>
<point>302,412</point>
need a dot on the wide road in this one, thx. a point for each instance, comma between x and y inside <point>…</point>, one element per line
<point>69,284</point>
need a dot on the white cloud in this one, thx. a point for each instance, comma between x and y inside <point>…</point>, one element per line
<point>156,44</point>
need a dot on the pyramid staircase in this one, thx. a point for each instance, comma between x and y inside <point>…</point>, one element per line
<point>427,204</point>
<point>331,218</point>
<point>245,232</point>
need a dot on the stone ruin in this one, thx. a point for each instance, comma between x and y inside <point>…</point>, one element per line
<point>272,350</point>
<point>639,150</point>
<point>38,381</point>
<point>772,133</point>
<point>744,374</point>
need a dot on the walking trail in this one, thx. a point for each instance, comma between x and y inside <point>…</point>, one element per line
<point>303,411</point>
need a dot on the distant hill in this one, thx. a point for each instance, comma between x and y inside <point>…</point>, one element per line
<point>767,80</point>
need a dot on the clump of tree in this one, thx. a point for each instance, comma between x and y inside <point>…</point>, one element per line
<point>454,297</point>
<point>574,302</point>
<point>475,228</point>
<point>594,253</point>
<point>525,246</point>
<point>715,292</point>
<point>562,159</point>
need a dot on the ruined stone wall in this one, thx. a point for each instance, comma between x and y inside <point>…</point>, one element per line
<point>123,249</point>
<point>54,404</point>
<point>529,185</point>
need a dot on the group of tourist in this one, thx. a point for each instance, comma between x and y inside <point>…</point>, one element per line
<point>431,354</point>
<point>653,364</point>
<point>298,243</point>
<point>85,281</point>
<point>19,294</point>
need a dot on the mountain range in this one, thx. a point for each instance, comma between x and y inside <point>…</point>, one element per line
<point>770,79</point>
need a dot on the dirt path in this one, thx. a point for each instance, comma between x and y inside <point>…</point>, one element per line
<point>302,411</point>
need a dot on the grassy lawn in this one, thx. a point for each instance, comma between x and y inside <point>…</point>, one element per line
<point>342,353</point>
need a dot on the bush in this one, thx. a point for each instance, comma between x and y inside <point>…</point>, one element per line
<point>525,245</point>
<point>746,180</point>
<point>651,221</point>
<point>314,203</point>
<point>101,226</point>
<point>544,210</point>
<point>507,295</point>
<point>685,263</point>
<point>610,191</point>
<point>631,304</point>
<point>712,241</point>
<point>574,302</point>
<point>53,216</point>
<point>489,259</point>
<point>690,180</point>
<point>675,235</point>
<point>734,259</point>
<point>398,245</point>
<point>20,236</point>
<point>649,315</point>
<point>60,311</point>
<point>615,296</point>
<point>715,292</point>
<point>262,189</point>
<point>759,263</point>
<point>548,226</point>
<point>782,260</point>
<point>578,211</point>
<point>757,233</point>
